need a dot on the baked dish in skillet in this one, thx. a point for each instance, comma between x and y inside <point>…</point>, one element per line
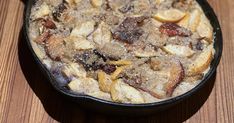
<point>126,51</point>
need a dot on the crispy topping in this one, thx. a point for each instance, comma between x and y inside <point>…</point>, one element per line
<point>88,60</point>
<point>129,30</point>
<point>93,60</point>
<point>113,51</point>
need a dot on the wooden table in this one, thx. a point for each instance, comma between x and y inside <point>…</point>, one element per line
<point>25,96</point>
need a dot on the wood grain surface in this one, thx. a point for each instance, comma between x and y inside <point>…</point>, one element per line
<point>26,96</point>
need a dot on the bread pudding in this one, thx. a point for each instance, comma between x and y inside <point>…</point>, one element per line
<point>125,51</point>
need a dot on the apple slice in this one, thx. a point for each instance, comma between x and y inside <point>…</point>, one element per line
<point>159,1</point>
<point>83,29</point>
<point>195,19</point>
<point>204,29</point>
<point>79,42</point>
<point>176,76</point>
<point>185,21</point>
<point>73,2</point>
<point>178,50</point>
<point>42,11</point>
<point>122,92</point>
<point>202,62</point>
<point>96,3</point>
<point>170,15</point>
<point>88,86</point>
<point>102,35</point>
<point>191,20</point>
<point>84,85</point>
<point>145,54</point>
<point>73,70</point>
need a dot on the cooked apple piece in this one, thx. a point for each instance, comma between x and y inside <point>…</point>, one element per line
<point>104,81</point>
<point>96,3</point>
<point>102,35</point>
<point>178,50</point>
<point>204,29</point>
<point>83,29</point>
<point>84,85</point>
<point>122,92</point>
<point>79,43</point>
<point>42,11</point>
<point>73,2</point>
<point>88,86</point>
<point>191,20</point>
<point>195,19</point>
<point>73,70</point>
<point>148,97</point>
<point>170,15</point>
<point>176,76</point>
<point>144,54</point>
<point>185,21</point>
<point>202,62</point>
<point>183,87</point>
<point>70,2</point>
<point>159,1</point>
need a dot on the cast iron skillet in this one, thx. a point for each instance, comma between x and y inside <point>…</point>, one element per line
<point>100,105</point>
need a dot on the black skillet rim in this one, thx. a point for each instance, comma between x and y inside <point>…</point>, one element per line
<point>218,45</point>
